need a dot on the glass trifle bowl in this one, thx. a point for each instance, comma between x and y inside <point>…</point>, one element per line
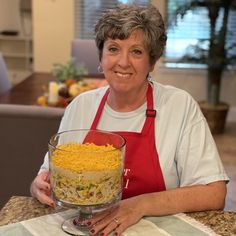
<point>86,169</point>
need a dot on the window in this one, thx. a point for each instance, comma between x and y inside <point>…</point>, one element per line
<point>87,13</point>
<point>193,29</point>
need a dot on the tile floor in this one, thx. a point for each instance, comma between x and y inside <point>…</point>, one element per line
<point>226,144</point>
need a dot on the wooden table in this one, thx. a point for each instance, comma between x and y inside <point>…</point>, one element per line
<point>27,92</point>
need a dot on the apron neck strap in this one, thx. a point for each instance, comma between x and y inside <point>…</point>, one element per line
<point>99,111</point>
<point>150,112</point>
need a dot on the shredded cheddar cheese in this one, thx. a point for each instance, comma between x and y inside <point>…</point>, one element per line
<point>86,157</point>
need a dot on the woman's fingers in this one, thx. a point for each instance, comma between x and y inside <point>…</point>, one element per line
<point>116,224</point>
<point>43,185</point>
<point>118,219</point>
<point>42,181</point>
<point>41,189</point>
<point>101,216</point>
<point>45,199</point>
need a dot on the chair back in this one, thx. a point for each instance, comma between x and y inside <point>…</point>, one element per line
<point>85,52</point>
<point>24,134</point>
<point>5,83</point>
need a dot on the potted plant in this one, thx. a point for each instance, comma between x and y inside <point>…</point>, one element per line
<point>70,82</point>
<point>70,71</point>
<point>215,56</point>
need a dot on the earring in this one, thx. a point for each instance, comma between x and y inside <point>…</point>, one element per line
<point>100,70</point>
<point>149,77</point>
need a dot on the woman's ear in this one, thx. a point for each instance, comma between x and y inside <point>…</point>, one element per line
<point>152,67</point>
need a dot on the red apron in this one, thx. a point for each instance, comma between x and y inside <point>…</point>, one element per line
<point>142,171</point>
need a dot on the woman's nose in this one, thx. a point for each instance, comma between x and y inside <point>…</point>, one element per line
<point>124,60</point>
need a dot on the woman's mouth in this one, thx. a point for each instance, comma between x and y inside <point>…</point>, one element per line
<point>123,75</point>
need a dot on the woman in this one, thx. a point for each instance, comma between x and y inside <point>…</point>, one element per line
<point>172,164</point>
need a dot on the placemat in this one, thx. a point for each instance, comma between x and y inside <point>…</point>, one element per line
<point>50,225</point>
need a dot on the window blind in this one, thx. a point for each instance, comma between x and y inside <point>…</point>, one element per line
<point>194,28</point>
<point>87,12</point>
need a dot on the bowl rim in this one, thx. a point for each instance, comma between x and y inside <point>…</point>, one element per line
<point>88,130</point>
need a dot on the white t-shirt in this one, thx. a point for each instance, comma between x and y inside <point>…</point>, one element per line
<point>186,149</point>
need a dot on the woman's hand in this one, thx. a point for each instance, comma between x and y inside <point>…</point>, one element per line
<point>41,188</point>
<point>184,199</point>
<point>117,219</point>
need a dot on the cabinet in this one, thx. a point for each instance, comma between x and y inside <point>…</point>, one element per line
<point>18,56</point>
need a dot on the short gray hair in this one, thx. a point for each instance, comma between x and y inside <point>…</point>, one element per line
<point>122,20</point>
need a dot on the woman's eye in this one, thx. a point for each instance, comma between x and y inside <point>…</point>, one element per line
<point>112,49</point>
<point>137,52</point>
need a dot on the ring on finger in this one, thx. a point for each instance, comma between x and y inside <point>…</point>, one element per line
<point>116,221</point>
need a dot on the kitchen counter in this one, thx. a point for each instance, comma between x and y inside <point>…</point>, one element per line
<point>23,208</point>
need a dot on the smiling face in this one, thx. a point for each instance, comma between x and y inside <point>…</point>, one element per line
<point>126,64</point>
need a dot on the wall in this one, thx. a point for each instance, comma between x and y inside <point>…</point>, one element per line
<point>52,32</point>
<point>194,81</point>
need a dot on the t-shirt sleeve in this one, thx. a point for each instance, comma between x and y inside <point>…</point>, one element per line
<point>198,158</point>
<point>45,165</point>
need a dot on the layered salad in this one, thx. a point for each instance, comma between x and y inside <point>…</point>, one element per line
<point>86,174</point>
